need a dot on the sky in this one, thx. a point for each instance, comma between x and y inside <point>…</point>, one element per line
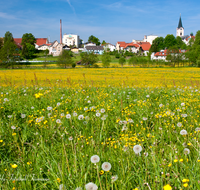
<point>108,20</point>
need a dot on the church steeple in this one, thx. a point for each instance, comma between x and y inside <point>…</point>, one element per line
<point>180,23</point>
<point>180,29</point>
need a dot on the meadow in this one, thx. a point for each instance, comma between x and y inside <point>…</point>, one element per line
<point>111,129</point>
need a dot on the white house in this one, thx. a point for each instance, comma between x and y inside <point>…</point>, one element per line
<point>149,38</point>
<point>132,47</point>
<point>95,49</point>
<point>108,46</point>
<point>159,55</point>
<point>55,48</point>
<point>71,40</point>
<point>44,47</point>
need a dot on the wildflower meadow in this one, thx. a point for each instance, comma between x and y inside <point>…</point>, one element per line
<point>114,129</point>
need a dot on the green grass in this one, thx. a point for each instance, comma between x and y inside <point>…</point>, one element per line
<point>50,150</point>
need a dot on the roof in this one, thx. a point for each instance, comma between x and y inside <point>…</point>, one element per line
<point>164,53</point>
<point>131,45</point>
<point>39,41</point>
<point>122,44</point>
<point>145,45</point>
<point>188,38</point>
<point>94,48</point>
<point>180,23</point>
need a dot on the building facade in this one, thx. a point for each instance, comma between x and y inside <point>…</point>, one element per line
<point>180,29</point>
<point>71,40</point>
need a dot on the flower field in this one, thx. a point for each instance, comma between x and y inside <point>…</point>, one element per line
<point>107,129</point>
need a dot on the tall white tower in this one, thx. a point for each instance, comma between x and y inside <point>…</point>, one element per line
<point>180,29</point>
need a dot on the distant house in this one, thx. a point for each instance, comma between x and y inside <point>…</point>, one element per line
<point>89,44</point>
<point>44,47</point>
<point>131,47</point>
<point>108,46</point>
<point>186,40</point>
<point>55,48</point>
<point>144,47</point>
<point>39,41</point>
<point>95,49</point>
<point>75,50</point>
<point>120,45</point>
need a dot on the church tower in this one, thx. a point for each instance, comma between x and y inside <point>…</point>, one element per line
<point>180,29</point>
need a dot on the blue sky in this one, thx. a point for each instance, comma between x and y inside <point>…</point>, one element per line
<point>108,20</point>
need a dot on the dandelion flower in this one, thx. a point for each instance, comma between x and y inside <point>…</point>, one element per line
<point>68,116</point>
<point>58,121</point>
<point>167,187</point>
<point>70,138</point>
<point>94,159</point>
<point>13,127</point>
<point>91,186</point>
<point>102,110</point>
<point>137,149</point>
<point>106,166</point>
<point>23,115</point>
<point>75,114</point>
<point>197,129</point>
<point>179,124</point>
<point>114,178</point>
<point>186,151</point>
<point>49,108</point>
<point>13,165</point>
<point>80,117</point>
<point>98,114</point>
<point>183,132</point>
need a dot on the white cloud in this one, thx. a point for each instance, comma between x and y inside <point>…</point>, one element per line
<point>6,16</point>
<point>68,1</point>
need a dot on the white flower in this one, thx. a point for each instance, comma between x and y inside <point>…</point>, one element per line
<point>49,108</point>
<point>80,117</point>
<point>98,114</point>
<point>23,115</point>
<point>124,128</point>
<point>68,116</point>
<point>186,151</point>
<point>144,118</point>
<point>58,121</point>
<point>78,188</point>
<point>62,114</point>
<point>49,114</point>
<point>137,149</point>
<point>125,148</point>
<point>58,104</point>
<point>114,178</point>
<point>91,186</point>
<point>183,132</point>
<point>32,107</point>
<point>75,114</point>
<point>85,109</point>
<point>61,187</point>
<point>13,127</point>
<point>124,122</point>
<point>184,115</point>
<point>9,116</point>
<point>182,104</point>
<point>102,110</point>
<point>161,105</point>
<point>88,101</point>
<point>94,159</point>
<point>6,100</point>
<point>120,122</point>
<point>179,124</point>
<point>106,166</point>
<point>130,121</point>
<point>147,96</point>
<point>70,138</point>
<point>197,129</point>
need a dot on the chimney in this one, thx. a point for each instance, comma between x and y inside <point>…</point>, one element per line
<point>60,31</point>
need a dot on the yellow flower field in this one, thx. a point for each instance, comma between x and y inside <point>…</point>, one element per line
<point>139,77</point>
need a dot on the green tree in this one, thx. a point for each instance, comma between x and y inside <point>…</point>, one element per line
<point>133,60</point>
<point>179,42</point>
<point>170,41</point>
<point>8,53</point>
<point>106,59</point>
<point>88,58</point>
<point>46,52</point>
<point>122,61</point>
<point>1,43</point>
<point>103,43</point>
<point>28,45</point>
<point>173,55</point>
<point>28,38</point>
<point>94,40</point>
<point>65,59</point>
<point>157,44</point>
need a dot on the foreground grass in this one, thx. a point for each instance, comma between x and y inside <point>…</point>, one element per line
<point>48,135</point>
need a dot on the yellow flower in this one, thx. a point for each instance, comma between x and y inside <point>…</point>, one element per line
<point>101,172</point>
<point>185,185</point>
<point>169,165</point>
<point>175,160</point>
<point>14,134</point>
<point>198,160</point>
<point>1,140</point>
<point>29,163</point>
<point>58,180</point>
<point>181,160</point>
<point>185,180</point>
<point>167,187</point>
<point>13,165</point>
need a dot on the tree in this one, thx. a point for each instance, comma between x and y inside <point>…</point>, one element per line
<point>28,45</point>
<point>28,38</point>
<point>65,59</point>
<point>169,41</point>
<point>157,44</point>
<point>8,53</point>
<point>173,55</point>
<point>94,40</point>
<point>46,52</point>
<point>106,59</point>
<point>179,42</point>
<point>88,58</point>
<point>133,60</point>
<point>1,43</point>
<point>122,61</point>
<point>103,43</point>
